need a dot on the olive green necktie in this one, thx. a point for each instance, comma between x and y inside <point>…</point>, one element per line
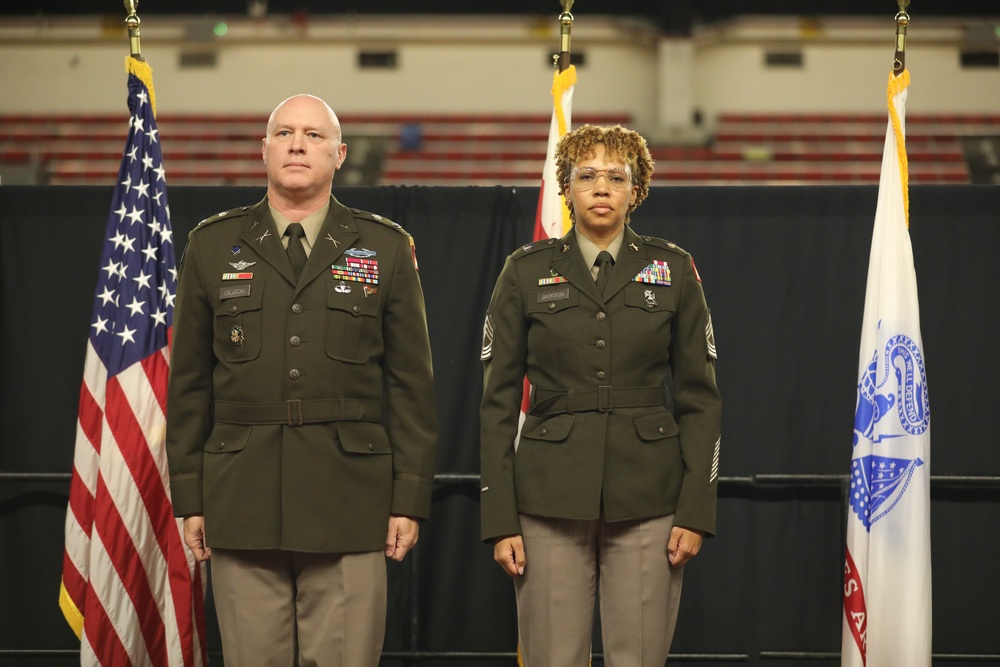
<point>605,262</point>
<point>296,253</point>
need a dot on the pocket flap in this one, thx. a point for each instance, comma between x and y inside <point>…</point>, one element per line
<point>363,438</point>
<point>350,298</point>
<point>239,298</point>
<point>228,438</point>
<point>655,425</point>
<point>553,429</point>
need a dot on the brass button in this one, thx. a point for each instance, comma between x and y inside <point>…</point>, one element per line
<point>295,374</point>
<point>222,445</point>
<point>543,431</point>
<point>601,316</point>
<point>294,341</point>
<point>601,375</point>
<point>371,447</point>
<point>233,308</point>
<point>662,430</point>
<point>552,306</point>
<point>600,344</point>
<point>356,309</point>
<point>296,308</point>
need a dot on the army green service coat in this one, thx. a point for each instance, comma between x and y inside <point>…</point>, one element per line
<point>601,436</point>
<point>300,415</point>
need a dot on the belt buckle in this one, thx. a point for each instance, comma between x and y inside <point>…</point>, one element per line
<point>294,406</point>
<point>604,398</point>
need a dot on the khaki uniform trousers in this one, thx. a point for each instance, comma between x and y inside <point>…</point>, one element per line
<point>332,606</point>
<point>639,591</point>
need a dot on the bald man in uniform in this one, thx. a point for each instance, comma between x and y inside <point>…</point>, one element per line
<point>301,427</point>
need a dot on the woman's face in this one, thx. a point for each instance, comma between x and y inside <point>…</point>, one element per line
<point>600,211</point>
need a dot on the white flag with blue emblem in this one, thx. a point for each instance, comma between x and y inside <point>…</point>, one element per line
<point>887,571</point>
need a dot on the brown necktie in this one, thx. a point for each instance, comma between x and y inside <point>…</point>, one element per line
<point>296,253</point>
<point>605,262</point>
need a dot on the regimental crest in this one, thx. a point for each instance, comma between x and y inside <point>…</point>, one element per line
<point>877,484</point>
<point>905,388</point>
<point>892,409</point>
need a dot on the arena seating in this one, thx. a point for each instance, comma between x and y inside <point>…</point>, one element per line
<point>496,149</point>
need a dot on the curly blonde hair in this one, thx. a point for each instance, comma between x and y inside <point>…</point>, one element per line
<point>619,142</point>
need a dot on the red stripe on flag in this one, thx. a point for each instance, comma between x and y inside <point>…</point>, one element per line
<point>157,371</point>
<point>91,415</point>
<point>132,572</point>
<point>135,451</point>
<point>73,582</point>
<point>101,634</point>
<point>854,606</point>
<point>81,503</point>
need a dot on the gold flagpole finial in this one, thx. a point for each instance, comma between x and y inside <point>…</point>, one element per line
<point>902,21</point>
<point>132,23</point>
<point>565,24</point>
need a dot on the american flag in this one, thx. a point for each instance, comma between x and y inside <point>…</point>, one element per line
<point>130,589</point>
<point>887,569</point>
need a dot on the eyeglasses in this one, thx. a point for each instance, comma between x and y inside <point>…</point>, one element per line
<point>585,178</point>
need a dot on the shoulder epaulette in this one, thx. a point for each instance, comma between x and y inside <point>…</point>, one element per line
<point>225,215</point>
<point>534,246</point>
<point>375,217</point>
<point>663,243</point>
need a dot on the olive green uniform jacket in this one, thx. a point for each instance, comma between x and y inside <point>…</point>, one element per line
<point>602,436</point>
<point>300,415</point>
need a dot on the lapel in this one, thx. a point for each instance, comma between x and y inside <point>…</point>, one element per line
<point>261,234</point>
<point>338,233</point>
<point>568,262</point>
<point>631,260</point>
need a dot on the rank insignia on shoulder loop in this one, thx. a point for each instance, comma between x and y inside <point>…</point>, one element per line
<point>236,336</point>
<point>526,247</point>
<point>239,266</point>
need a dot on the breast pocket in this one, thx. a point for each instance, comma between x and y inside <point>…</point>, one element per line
<point>352,324</point>
<point>552,300</point>
<point>238,322</point>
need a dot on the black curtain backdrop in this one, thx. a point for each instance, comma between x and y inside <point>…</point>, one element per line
<point>784,270</point>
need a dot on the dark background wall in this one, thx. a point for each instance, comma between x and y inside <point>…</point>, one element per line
<point>784,271</point>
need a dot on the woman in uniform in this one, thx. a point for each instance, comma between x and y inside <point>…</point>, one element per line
<point>612,476</point>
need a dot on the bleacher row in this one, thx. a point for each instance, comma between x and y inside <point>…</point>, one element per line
<point>487,149</point>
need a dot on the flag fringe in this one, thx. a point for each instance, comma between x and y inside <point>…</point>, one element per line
<point>898,84</point>
<point>141,70</point>
<point>69,610</point>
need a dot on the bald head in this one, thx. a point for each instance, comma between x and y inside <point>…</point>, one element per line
<point>302,149</point>
<point>304,100</point>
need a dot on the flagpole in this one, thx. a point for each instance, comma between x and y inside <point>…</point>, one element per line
<point>132,23</point>
<point>565,24</point>
<point>902,21</point>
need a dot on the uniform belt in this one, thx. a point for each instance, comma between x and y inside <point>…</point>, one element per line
<point>602,399</point>
<point>297,412</point>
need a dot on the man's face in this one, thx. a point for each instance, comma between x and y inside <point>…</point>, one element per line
<point>302,149</point>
